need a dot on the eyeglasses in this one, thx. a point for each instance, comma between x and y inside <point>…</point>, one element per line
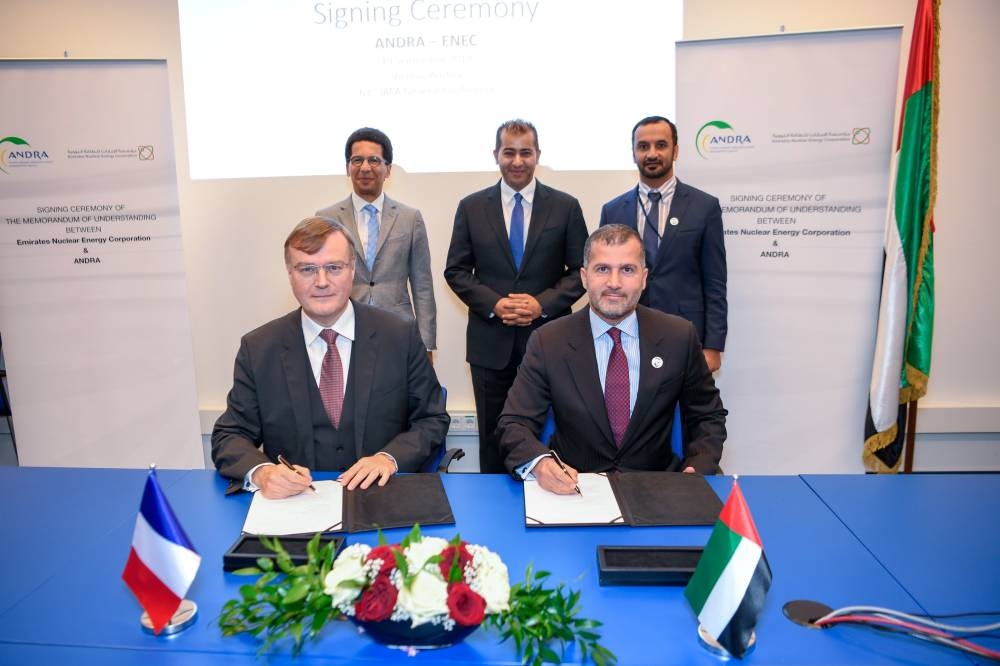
<point>374,161</point>
<point>311,271</point>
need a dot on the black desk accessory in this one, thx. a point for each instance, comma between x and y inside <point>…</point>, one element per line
<point>248,547</point>
<point>647,565</point>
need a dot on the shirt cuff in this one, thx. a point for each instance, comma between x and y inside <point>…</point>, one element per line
<point>390,457</point>
<point>248,484</point>
<point>524,471</point>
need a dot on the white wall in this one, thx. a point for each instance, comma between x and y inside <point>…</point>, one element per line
<point>233,229</point>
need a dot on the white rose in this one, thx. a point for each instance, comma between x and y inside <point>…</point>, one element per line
<point>350,568</point>
<point>425,598</point>
<point>418,552</point>
<point>489,579</point>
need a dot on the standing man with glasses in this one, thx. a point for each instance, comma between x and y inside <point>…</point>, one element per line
<point>515,256</point>
<point>681,231</point>
<point>333,385</point>
<point>392,239</point>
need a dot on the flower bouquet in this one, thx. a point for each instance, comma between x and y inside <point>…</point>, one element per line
<point>423,592</point>
<point>420,593</point>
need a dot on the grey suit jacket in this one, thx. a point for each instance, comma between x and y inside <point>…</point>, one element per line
<point>398,404</point>
<point>402,255</point>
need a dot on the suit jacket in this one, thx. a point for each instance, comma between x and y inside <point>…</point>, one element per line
<point>402,254</point>
<point>480,267</point>
<point>399,407</point>
<point>688,278</point>
<point>560,371</point>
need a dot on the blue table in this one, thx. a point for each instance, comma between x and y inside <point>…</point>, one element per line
<point>78,610</point>
<point>47,515</point>
<point>934,533</point>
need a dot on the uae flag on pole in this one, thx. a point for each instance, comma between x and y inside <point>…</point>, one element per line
<point>162,563</point>
<point>902,361</point>
<point>728,588</point>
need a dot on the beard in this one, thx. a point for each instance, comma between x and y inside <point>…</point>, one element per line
<point>617,309</point>
<point>656,170</point>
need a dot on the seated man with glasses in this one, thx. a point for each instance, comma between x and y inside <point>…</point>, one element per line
<point>333,385</point>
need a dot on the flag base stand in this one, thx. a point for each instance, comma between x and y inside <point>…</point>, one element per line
<point>181,620</point>
<point>712,645</point>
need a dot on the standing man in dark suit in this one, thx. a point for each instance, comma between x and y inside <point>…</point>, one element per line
<point>391,237</point>
<point>333,385</point>
<point>612,374</point>
<point>681,229</point>
<point>515,254</point>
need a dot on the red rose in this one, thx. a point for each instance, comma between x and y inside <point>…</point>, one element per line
<point>384,553</point>
<point>448,556</point>
<point>376,603</point>
<point>465,606</point>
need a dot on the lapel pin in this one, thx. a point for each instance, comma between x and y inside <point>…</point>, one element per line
<point>657,362</point>
<point>674,221</point>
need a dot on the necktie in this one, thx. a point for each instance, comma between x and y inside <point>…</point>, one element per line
<point>517,231</point>
<point>616,388</point>
<point>372,244</point>
<point>331,378</point>
<point>651,230</point>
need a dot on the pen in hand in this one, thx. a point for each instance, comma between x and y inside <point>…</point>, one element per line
<point>287,464</point>
<point>562,466</point>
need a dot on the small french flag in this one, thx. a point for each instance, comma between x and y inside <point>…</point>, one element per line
<point>162,563</point>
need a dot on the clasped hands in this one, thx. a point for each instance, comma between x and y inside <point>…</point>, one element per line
<point>278,481</point>
<point>518,309</point>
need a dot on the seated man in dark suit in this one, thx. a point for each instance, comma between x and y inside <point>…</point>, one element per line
<point>612,374</point>
<point>333,385</point>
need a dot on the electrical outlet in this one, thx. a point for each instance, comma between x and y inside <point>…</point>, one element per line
<point>463,423</point>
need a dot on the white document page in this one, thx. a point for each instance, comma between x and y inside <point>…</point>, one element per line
<point>306,513</point>
<point>596,505</point>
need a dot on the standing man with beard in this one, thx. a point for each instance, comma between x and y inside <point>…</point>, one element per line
<point>612,374</point>
<point>681,230</point>
<point>514,259</point>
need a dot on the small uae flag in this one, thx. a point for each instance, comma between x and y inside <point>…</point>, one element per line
<point>162,563</point>
<point>729,585</point>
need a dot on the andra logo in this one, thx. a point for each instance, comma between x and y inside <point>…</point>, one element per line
<point>718,136</point>
<point>21,154</point>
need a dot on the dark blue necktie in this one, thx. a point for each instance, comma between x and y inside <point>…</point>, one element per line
<point>517,231</point>
<point>651,230</point>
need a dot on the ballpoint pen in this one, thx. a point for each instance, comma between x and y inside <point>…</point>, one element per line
<point>287,464</point>
<point>562,466</point>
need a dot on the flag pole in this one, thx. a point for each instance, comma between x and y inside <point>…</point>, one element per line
<point>911,436</point>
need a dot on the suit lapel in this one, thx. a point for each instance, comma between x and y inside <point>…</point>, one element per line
<point>649,377</point>
<point>389,212</point>
<point>364,358</point>
<point>345,215</point>
<point>581,360</point>
<point>630,209</point>
<point>540,210</point>
<point>678,207</point>
<point>494,216</point>
<point>298,374</point>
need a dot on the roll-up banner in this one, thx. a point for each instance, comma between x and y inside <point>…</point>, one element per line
<point>93,303</point>
<point>793,133</point>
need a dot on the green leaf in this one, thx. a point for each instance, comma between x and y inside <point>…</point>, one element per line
<point>548,655</point>
<point>247,571</point>
<point>296,594</point>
